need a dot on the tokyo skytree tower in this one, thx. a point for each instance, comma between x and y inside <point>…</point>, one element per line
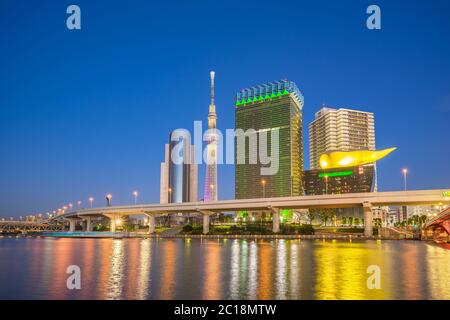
<point>211,149</point>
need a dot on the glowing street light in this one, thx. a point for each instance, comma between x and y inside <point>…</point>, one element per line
<point>91,200</point>
<point>263,182</point>
<point>326,184</point>
<point>70,206</point>
<point>135,195</point>
<point>108,200</point>
<point>79,204</point>
<point>170,194</point>
<point>405,172</point>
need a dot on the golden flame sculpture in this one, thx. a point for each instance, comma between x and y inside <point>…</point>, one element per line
<point>340,159</point>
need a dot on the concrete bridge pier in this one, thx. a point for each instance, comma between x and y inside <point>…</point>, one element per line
<point>72,224</point>
<point>112,223</point>
<point>87,224</point>
<point>368,217</point>
<point>275,220</point>
<point>205,223</point>
<point>206,219</point>
<point>151,223</point>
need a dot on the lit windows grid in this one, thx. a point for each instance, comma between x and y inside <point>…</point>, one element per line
<point>285,114</point>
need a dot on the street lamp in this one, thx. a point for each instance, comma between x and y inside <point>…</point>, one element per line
<point>263,182</point>
<point>170,195</point>
<point>326,184</point>
<point>70,206</point>
<point>91,200</point>
<point>79,204</point>
<point>135,195</point>
<point>404,171</point>
<point>108,200</point>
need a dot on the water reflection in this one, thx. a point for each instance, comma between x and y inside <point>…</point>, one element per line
<point>145,261</point>
<point>293,268</point>
<point>116,271</point>
<point>252,271</point>
<point>234,272</point>
<point>212,272</point>
<point>438,272</point>
<point>281,269</point>
<point>167,269</point>
<point>265,261</point>
<point>222,269</point>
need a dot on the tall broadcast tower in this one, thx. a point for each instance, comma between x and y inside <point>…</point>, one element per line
<point>211,149</point>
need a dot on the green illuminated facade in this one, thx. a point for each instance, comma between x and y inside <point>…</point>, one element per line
<point>339,180</point>
<point>275,105</point>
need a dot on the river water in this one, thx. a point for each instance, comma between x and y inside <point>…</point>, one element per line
<point>35,268</point>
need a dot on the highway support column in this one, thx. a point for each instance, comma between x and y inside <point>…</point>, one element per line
<point>368,217</point>
<point>72,223</point>
<point>275,220</point>
<point>88,224</point>
<point>151,223</point>
<point>205,223</point>
<point>112,224</point>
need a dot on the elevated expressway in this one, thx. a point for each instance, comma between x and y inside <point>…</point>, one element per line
<point>274,205</point>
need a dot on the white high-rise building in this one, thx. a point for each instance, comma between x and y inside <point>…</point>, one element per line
<point>340,130</point>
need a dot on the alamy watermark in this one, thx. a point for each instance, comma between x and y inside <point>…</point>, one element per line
<point>259,147</point>
<point>73,282</point>
<point>374,280</point>
<point>373,22</point>
<point>73,21</point>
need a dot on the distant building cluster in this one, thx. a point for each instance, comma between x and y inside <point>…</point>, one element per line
<point>278,106</point>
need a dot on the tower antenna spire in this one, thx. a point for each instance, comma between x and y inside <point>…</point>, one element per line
<point>211,149</point>
<point>212,74</point>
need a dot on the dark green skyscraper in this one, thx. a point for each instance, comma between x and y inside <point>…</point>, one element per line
<point>264,108</point>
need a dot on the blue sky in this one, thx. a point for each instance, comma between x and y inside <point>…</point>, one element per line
<point>87,112</point>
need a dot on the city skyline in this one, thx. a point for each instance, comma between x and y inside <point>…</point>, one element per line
<point>60,136</point>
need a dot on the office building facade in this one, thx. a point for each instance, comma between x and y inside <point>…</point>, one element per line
<point>264,108</point>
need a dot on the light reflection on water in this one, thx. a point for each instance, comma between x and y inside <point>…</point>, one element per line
<point>221,269</point>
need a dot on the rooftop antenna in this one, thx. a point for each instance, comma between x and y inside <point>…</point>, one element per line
<point>212,74</point>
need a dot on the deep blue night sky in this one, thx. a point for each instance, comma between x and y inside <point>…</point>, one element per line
<point>84,113</point>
